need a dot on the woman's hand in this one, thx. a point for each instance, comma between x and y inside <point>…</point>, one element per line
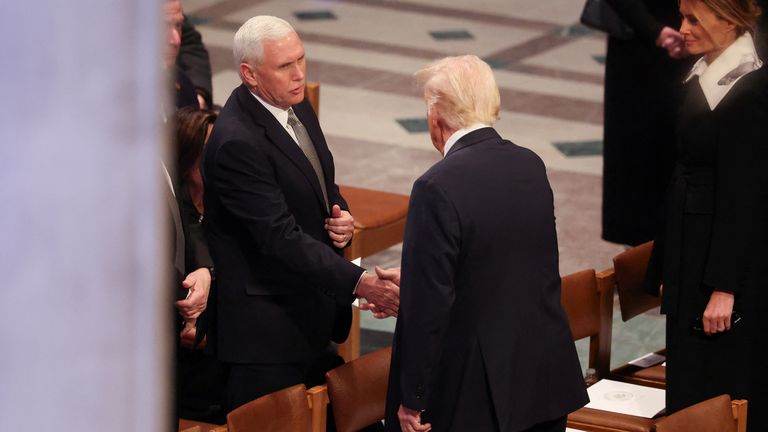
<point>717,315</point>
<point>672,41</point>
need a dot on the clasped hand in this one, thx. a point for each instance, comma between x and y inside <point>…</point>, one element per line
<point>340,226</point>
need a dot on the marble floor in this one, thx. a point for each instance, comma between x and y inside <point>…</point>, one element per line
<point>364,52</point>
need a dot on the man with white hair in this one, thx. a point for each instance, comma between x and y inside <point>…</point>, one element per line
<point>277,225</point>
<point>482,342</point>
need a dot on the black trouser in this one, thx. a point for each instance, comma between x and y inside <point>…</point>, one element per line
<point>247,382</point>
<point>557,425</point>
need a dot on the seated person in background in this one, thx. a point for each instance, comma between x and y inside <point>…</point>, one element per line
<point>200,376</point>
<point>482,342</point>
<point>193,127</point>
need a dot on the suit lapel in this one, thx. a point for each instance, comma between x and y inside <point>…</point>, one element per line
<point>282,140</point>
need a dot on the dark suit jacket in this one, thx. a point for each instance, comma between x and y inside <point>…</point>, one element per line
<point>194,60</point>
<point>482,342</point>
<point>283,290</point>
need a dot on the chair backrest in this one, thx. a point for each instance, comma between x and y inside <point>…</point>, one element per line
<point>312,93</point>
<point>630,267</point>
<point>196,426</point>
<point>285,410</point>
<point>358,390</point>
<point>712,415</point>
<point>590,311</point>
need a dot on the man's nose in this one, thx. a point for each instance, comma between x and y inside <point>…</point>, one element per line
<point>298,73</point>
<point>174,38</point>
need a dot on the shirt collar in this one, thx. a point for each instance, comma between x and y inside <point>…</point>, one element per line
<point>717,79</point>
<point>456,136</point>
<point>280,114</point>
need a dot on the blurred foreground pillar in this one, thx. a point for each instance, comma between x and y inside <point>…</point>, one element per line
<point>84,336</point>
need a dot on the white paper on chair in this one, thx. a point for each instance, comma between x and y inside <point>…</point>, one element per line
<point>648,360</point>
<point>357,261</point>
<point>573,430</point>
<point>626,398</point>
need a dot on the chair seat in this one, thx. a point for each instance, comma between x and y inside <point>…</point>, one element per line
<point>598,421</point>
<point>653,376</point>
<point>372,208</point>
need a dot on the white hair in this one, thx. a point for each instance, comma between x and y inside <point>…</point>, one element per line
<point>462,90</point>
<point>248,44</point>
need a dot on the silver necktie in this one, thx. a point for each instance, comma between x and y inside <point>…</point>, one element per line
<point>306,146</point>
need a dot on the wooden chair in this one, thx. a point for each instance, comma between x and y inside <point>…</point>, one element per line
<point>379,224</point>
<point>587,298</point>
<point>196,426</point>
<point>589,315</point>
<point>628,275</point>
<point>358,390</point>
<point>718,414</point>
<point>286,410</point>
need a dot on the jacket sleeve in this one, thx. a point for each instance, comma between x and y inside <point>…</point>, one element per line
<point>740,197</point>
<point>194,60</point>
<point>427,292</point>
<point>636,15</point>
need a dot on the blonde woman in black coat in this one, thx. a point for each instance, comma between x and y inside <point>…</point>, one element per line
<point>712,256</point>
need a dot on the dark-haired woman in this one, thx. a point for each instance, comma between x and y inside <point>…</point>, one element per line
<point>200,380</point>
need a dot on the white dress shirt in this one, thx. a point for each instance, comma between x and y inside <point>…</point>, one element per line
<point>459,134</point>
<point>280,114</point>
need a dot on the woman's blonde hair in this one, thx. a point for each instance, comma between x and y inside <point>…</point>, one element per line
<point>462,90</point>
<point>741,13</point>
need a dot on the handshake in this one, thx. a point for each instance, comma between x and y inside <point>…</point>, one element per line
<point>382,292</point>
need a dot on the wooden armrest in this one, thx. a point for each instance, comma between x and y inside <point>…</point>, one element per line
<point>317,399</point>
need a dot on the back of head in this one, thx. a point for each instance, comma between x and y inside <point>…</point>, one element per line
<point>743,14</point>
<point>462,90</point>
<point>248,48</point>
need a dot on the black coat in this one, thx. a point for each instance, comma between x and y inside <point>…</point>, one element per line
<point>641,101</point>
<point>482,342</point>
<point>715,239</point>
<point>283,291</point>
<point>194,60</point>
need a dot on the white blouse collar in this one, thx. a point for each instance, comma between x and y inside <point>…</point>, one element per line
<point>717,79</point>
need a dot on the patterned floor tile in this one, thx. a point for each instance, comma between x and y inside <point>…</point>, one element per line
<point>414,125</point>
<point>496,63</point>
<point>580,148</point>
<point>197,20</point>
<point>451,35</point>
<point>315,15</point>
<point>576,30</point>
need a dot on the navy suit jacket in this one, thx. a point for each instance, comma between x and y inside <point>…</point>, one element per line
<point>482,341</point>
<point>283,290</point>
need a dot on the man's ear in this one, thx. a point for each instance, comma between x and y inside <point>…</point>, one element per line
<point>248,75</point>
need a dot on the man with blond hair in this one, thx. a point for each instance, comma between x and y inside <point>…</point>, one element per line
<point>277,225</point>
<point>482,342</point>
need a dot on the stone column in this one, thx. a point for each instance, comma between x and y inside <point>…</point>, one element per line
<point>84,330</point>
